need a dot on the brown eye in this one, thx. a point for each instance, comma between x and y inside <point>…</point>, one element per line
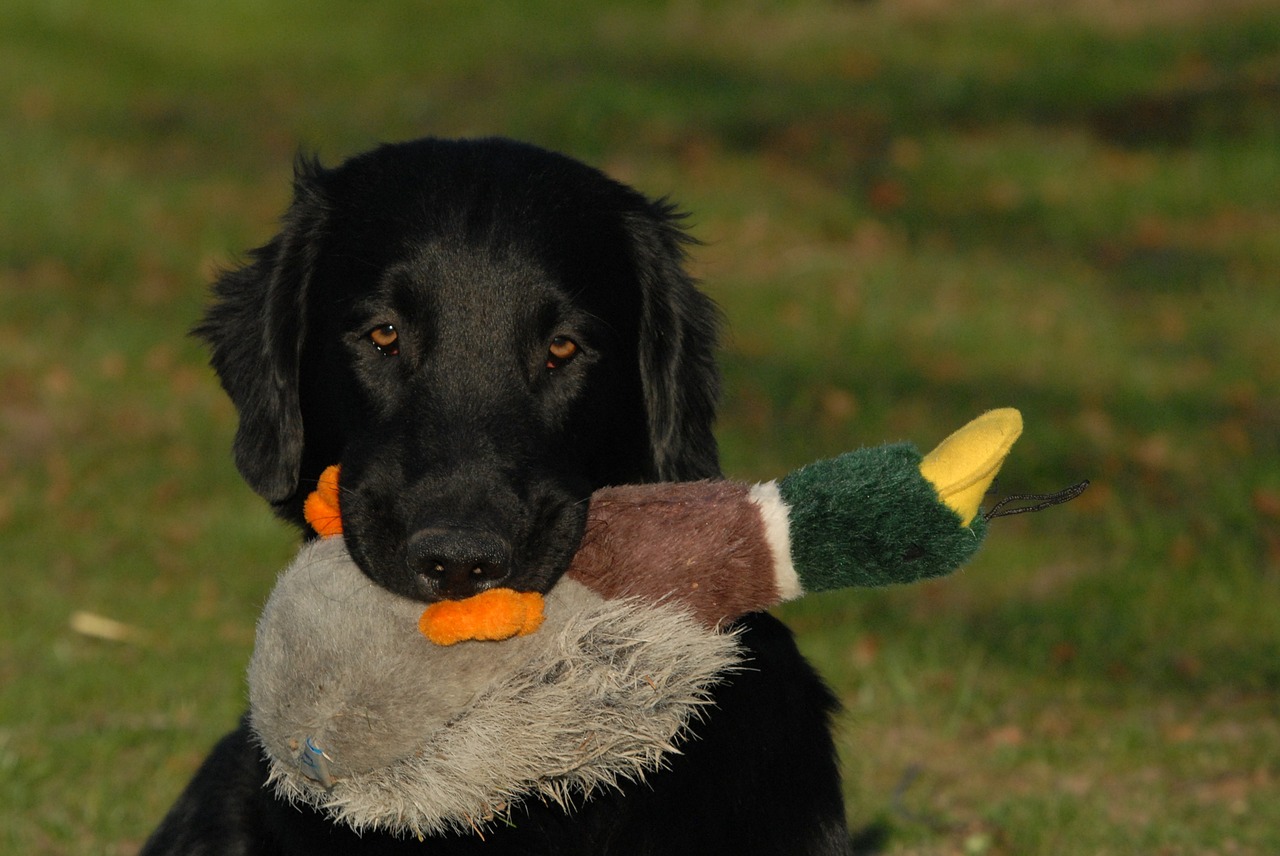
<point>385,339</point>
<point>560,351</point>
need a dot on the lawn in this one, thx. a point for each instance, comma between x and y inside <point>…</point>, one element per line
<point>910,212</point>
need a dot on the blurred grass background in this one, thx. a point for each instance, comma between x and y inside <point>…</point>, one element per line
<point>911,211</point>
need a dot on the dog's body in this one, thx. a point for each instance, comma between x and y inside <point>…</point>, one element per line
<point>482,333</point>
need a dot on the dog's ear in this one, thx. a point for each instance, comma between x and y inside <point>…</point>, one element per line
<point>255,331</point>
<point>679,332</point>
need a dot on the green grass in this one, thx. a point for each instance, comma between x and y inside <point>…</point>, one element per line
<point>910,212</point>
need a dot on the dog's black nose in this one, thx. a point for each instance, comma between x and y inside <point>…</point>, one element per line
<point>457,563</point>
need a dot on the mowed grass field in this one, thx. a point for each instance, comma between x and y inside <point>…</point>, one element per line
<point>910,212</point>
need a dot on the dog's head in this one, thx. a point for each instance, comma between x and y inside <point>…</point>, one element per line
<point>481,333</point>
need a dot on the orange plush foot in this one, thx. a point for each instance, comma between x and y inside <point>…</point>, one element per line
<point>321,506</point>
<point>493,615</point>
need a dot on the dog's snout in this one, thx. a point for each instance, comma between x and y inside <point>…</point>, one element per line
<point>456,562</point>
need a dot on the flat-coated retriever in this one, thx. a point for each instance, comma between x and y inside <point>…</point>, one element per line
<point>482,333</point>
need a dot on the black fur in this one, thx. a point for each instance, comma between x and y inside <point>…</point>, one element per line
<point>468,447</point>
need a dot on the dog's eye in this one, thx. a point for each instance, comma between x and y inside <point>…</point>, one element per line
<point>561,350</point>
<point>385,339</point>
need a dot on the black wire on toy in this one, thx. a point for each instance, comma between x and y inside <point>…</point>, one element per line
<point>1041,500</point>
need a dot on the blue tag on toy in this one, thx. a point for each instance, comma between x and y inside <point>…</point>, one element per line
<point>315,764</point>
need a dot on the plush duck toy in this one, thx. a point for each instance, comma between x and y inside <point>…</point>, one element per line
<point>417,721</point>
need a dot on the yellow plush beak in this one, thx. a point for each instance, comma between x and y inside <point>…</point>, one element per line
<point>963,466</point>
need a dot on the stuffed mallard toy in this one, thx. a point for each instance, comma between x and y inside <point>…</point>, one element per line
<point>418,721</point>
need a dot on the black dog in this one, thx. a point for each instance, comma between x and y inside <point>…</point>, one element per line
<point>482,333</point>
